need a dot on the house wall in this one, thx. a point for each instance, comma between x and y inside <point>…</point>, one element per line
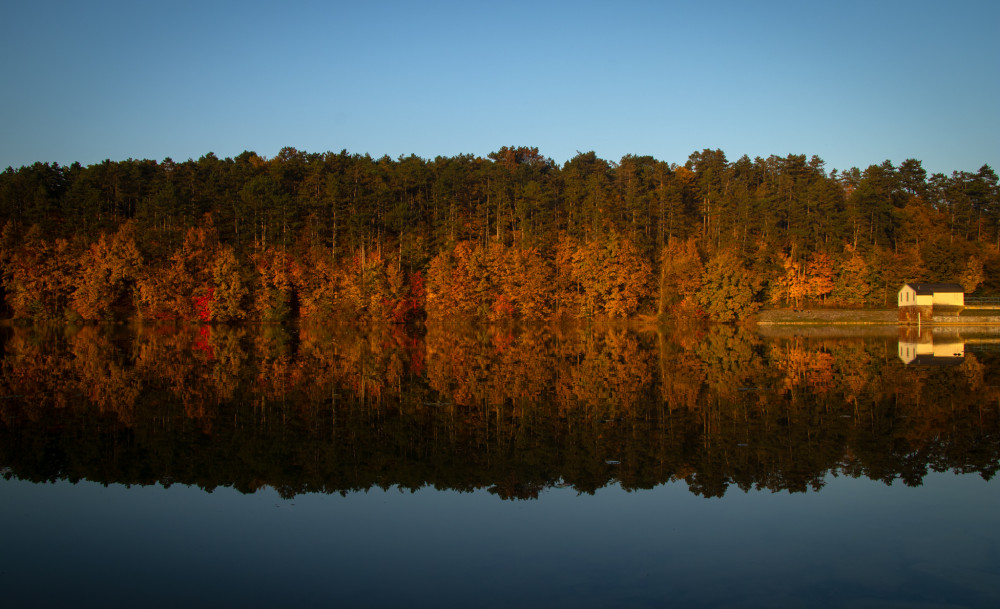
<point>949,298</point>
<point>910,349</point>
<point>952,349</point>
<point>906,296</point>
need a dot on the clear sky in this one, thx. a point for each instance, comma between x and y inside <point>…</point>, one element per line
<point>855,83</point>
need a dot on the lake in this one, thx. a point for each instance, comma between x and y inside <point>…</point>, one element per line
<point>490,466</point>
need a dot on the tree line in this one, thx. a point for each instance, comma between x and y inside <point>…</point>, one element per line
<point>509,236</point>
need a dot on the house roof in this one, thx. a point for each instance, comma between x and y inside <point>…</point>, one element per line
<point>926,289</point>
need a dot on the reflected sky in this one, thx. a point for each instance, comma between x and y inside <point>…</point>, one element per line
<point>857,543</point>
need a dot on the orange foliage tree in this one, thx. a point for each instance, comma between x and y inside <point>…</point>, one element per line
<point>496,282</point>
<point>231,289</point>
<point>819,271</point>
<point>522,281</point>
<point>729,290</point>
<point>852,285</point>
<point>107,275</point>
<point>455,283</point>
<point>170,293</point>
<point>680,273</point>
<point>791,285</point>
<point>276,282</point>
<point>606,277</point>
<point>812,278</point>
<point>39,277</point>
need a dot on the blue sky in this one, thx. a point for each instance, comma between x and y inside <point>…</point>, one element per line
<point>855,83</point>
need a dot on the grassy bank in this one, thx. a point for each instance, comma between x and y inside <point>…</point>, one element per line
<point>827,316</point>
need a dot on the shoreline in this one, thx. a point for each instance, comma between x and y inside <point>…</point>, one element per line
<point>863,317</point>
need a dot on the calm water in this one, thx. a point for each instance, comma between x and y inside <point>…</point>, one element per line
<point>488,467</point>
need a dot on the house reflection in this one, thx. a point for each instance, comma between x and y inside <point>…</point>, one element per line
<point>924,348</point>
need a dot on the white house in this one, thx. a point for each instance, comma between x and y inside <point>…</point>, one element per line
<point>930,294</point>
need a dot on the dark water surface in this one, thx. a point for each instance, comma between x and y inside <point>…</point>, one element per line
<point>163,466</point>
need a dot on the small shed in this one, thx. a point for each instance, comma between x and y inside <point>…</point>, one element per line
<point>930,294</point>
<point>917,300</point>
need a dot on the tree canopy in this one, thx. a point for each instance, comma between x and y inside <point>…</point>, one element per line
<point>512,235</point>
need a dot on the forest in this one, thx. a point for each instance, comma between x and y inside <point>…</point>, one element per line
<point>513,236</point>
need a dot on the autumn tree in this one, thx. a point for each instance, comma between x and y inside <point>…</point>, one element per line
<point>169,293</point>
<point>40,277</point>
<point>275,284</point>
<point>729,291</point>
<point>522,281</point>
<point>852,286</point>
<point>972,275</point>
<point>819,271</point>
<point>792,284</point>
<point>680,273</point>
<point>495,282</point>
<point>453,280</point>
<point>605,277</point>
<point>107,276</point>
<point>230,287</point>
<point>320,287</point>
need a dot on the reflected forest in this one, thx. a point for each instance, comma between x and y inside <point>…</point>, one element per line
<point>509,409</point>
<point>513,236</point>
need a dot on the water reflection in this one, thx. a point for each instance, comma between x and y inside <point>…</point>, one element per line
<point>944,346</point>
<point>514,411</point>
<point>921,349</point>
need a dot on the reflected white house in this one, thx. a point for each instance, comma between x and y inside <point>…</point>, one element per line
<point>923,349</point>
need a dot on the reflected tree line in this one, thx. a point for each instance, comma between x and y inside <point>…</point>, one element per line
<point>513,410</point>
